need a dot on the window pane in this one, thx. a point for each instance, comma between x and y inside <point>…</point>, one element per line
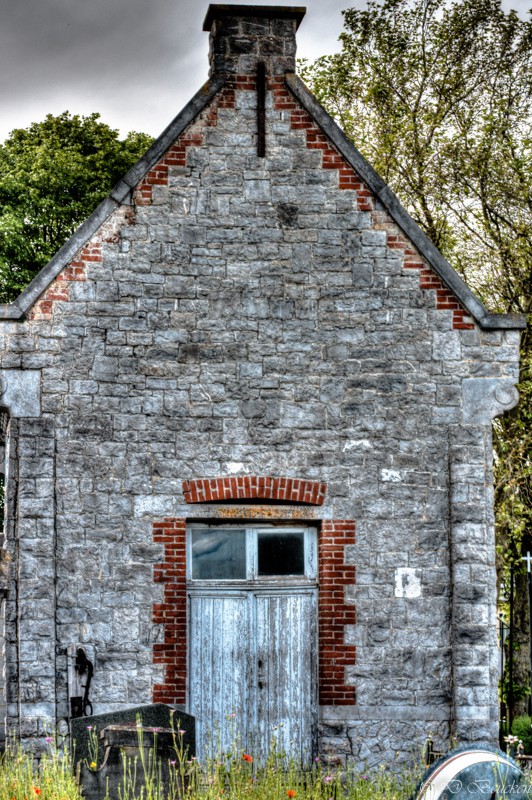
<point>219,554</point>
<point>281,554</point>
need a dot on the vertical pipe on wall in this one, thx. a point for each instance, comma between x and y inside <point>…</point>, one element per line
<point>511,655</point>
<point>261,109</point>
<point>11,544</point>
<point>452,612</point>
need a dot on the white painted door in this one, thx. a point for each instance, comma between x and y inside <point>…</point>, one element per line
<point>220,664</point>
<point>253,643</point>
<point>285,625</point>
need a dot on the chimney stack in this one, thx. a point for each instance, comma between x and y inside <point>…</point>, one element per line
<point>242,36</point>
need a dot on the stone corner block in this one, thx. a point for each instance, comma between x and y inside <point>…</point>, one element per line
<point>486,398</point>
<point>21,392</point>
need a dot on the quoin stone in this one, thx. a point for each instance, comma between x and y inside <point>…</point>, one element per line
<point>247,416</point>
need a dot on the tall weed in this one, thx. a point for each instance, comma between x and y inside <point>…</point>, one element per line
<point>230,776</point>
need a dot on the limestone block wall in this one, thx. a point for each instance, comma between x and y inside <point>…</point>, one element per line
<point>257,316</point>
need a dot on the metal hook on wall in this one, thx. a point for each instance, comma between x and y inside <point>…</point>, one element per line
<point>80,676</point>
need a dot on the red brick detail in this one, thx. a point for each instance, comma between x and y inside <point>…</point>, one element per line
<point>172,612</point>
<point>445,298</point>
<point>176,156</point>
<point>334,613</point>
<point>59,289</point>
<point>246,82</point>
<point>248,487</point>
<point>284,100</point>
<point>348,179</point>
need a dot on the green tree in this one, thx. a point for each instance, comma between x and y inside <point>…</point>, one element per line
<point>52,176</point>
<point>438,96</point>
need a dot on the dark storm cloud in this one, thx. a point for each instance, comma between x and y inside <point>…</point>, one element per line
<point>136,62</point>
<point>96,55</point>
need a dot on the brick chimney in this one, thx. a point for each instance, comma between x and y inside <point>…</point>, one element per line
<point>242,36</point>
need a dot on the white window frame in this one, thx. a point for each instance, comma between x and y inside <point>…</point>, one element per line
<point>310,554</point>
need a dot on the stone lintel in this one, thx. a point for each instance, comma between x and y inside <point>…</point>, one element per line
<point>168,506</point>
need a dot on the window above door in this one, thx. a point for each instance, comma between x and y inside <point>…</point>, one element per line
<point>251,553</point>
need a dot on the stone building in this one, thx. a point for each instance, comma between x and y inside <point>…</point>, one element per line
<point>248,418</point>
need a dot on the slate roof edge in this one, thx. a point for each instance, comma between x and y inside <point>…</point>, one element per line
<point>403,219</point>
<point>120,194</point>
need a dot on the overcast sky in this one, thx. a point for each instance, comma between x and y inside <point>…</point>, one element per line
<point>136,62</point>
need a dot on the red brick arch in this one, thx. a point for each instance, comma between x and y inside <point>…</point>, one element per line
<point>251,487</point>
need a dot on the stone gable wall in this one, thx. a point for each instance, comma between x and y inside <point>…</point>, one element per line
<point>259,316</point>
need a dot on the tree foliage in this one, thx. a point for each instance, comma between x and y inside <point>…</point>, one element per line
<point>437,94</point>
<point>438,98</point>
<point>52,176</point>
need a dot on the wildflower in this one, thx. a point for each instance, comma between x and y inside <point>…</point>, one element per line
<point>317,760</point>
<point>48,740</point>
<point>93,765</point>
<point>172,763</point>
<point>363,777</point>
<point>181,732</point>
<point>290,793</point>
<point>36,790</point>
<point>327,778</point>
<point>247,758</point>
<point>89,727</point>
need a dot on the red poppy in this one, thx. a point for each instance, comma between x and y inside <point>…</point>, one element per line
<point>247,758</point>
<point>290,793</point>
<point>36,790</point>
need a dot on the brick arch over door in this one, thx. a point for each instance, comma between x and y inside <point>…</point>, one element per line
<point>254,487</point>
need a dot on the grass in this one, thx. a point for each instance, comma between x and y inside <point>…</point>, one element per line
<point>232,776</point>
<point>23,778</point>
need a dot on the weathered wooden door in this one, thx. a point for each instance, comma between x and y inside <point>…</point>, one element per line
<point>285,671</point>
<point>253,639</point>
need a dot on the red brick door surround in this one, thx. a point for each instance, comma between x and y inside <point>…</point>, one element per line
<point>334,575</point>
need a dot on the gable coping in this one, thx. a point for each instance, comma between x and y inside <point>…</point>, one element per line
<point>122,194</point>
<point>400,216</point>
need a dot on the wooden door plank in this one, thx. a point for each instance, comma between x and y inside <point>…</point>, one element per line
<point>218,682</point>
<point>286,645</point>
